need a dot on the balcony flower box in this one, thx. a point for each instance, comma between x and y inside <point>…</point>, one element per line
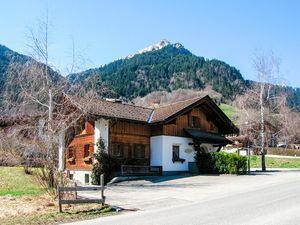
<point>87,159</point>
<point>71,160</point>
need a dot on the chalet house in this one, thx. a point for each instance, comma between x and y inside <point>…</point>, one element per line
<point>165,137</point>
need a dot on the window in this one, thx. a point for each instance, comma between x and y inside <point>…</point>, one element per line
<point>175,152</point>
<point>118,150</point>
<point>196,122</point>
<point>86,150</point>
<point>140,151</point>
<point>86,178</point>
<point>71,153</point>
<point>129,156</point>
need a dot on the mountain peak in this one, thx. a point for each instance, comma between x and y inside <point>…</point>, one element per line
<point>157,46</point>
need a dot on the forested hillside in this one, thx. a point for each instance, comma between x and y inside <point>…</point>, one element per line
<point>164,67</point>
<point>16,70</point>
<point>169,68</point>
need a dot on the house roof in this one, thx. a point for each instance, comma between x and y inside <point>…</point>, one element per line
<point>162,113</point>
<point>104,108</point>
<point>109,109</point>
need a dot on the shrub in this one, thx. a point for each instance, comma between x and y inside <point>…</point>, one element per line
<point>105,164</point>
<point>221,163</point>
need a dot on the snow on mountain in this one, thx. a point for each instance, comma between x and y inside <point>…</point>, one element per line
<point>159,45</point>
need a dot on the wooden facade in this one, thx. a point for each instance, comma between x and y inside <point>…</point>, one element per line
<point>130,142</point>
<point>79,153</point>
<point>196,118</point>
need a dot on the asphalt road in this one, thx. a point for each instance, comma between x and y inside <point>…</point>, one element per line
<point>271,199</point>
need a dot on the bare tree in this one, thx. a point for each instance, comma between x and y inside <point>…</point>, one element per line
<point>260,102</point>
<point>267,69</point>
<point>43,94</point>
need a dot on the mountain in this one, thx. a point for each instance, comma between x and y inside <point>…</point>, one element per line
<point>159,67</point>
<point>164,67</point>
<point>16,69</point>
<point>167,67</point>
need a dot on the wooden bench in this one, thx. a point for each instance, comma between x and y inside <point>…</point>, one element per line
<point>134,170</point>
<point>77,200</point>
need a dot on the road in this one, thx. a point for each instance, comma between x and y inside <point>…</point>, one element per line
<point>270,199</point>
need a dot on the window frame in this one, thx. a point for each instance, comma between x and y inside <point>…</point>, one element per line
<point>121,152</point>
<point>86,149</point>
<point>86,178</point>
<point>143,148</point>
<point>196,122</point>
<point>177,148</point>
<point>71,149</point>
<point>177,158</point>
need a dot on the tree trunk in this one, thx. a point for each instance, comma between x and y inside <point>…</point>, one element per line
<point>51,150</point>
<point>262,127</point>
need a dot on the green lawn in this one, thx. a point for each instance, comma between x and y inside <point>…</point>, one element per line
<point>14,182</point>
<point>275,162</point>
<point>229,110</point>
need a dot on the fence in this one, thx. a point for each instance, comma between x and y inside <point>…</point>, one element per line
<point>81,200</point>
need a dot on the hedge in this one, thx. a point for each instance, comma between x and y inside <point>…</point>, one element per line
<point>221,163</point>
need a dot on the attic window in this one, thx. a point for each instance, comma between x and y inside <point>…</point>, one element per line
<point>195,122</point>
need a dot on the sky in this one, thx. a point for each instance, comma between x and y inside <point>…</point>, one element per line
<point>99,32</point>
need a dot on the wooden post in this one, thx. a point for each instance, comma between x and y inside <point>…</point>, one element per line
<point>102,190</point>
<point>59,200</point>
<point>75,190</point>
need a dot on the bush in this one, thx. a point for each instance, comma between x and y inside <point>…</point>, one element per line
<point>105,164</point>
<point>221,163</point>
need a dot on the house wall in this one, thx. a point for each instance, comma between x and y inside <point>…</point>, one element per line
<point>102,130</point>
<point>79,176</point>
<point>176,127</point>
<point>156,144</point>
<point>78,144</point>
<point>129,134</point>
<point>85,137</point>
<point>162,152</point>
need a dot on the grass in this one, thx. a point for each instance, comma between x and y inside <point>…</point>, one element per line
<point>271,162</point>
<point>57,218</point>
<point>14,182</point>
<point>230,111</point>
<point>34,205</point>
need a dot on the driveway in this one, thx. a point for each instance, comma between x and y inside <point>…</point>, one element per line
<point>268,198</point>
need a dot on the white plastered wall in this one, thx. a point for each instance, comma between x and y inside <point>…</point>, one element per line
<point>79,176</point>
<point>102,130</point>
<point>162,152</point>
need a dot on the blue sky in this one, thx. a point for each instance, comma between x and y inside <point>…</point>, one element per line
<point>102,31</point>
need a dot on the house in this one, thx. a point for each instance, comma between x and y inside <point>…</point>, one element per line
<point>165,137</point>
